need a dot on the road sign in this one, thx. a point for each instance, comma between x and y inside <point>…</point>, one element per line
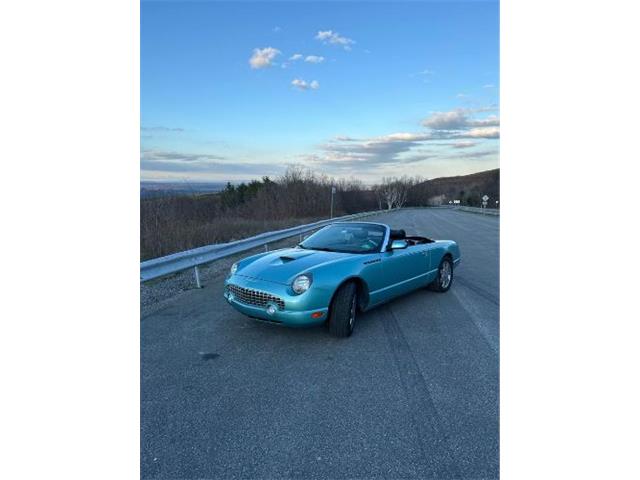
<point>485,198</point>
<point>450,202</point>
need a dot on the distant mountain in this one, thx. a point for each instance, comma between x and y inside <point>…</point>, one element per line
<point>163,189</point>
<point>469,189</point>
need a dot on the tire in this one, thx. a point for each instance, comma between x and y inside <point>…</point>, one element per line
<point>444,279</point>
<point>342,314</point>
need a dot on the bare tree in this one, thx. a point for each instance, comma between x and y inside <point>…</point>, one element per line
<point>388,192</point>
<point>377,191</point>
<point>394,191</point>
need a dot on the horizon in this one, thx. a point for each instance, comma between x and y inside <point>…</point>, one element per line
<point>188,182</point>
<point>235,92</point>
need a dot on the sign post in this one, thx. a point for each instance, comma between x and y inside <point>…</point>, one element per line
<point>485,199</point>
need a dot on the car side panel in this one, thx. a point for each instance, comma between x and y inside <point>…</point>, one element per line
<point>442,247</point>
<point>404,271</point>
<point>404,277</point>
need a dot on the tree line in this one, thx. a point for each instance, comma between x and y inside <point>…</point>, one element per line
<point>174,223</point>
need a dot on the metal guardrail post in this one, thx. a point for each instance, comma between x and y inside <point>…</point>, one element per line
<point>197,275</point>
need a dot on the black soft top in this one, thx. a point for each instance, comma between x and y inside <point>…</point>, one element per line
<point>400,234</point>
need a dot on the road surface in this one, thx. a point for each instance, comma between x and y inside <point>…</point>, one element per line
<point>413,393</point>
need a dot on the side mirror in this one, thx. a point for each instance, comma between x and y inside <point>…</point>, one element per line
<point>399,244</point>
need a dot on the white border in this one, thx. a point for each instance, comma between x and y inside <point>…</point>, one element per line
<point>69,343</point>
<point>569,232</point>
<point>569,339</point>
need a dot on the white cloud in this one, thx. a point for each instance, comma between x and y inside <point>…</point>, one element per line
<point>489,132</point>
<point>405,137</point>
<point>458,120</point>
<point>334,38</point>
<point>455,133</point>
<point>453,120</point>
<point>277,29</point>
<point>314,59</point>
<point>171,162</point>
<point>303,85</point>
<point>309,58</point>
<point>350,153</point>
<point>475,155</point>
<point>263,57</point>
<point>490,121</point>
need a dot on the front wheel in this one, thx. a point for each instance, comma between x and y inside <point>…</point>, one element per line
<point>444,279</point>
<point>342,316</point>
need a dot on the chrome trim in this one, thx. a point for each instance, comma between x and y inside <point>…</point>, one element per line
<point>386,237</point>
<point>258,298</point>
<point>402,282</point>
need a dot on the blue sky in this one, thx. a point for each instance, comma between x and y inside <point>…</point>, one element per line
<point>234,91</point>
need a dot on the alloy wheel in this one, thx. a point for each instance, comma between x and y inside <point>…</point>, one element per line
<point>445,274</point>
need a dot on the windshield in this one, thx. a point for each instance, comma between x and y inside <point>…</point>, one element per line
<point>352,238</point>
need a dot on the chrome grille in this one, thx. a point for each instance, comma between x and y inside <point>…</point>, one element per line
<point>255,297</point>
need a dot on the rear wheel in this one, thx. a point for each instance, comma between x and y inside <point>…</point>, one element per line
<point>444,279</point>
<point>342,315</point>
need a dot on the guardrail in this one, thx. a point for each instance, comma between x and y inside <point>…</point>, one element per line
<point>177,262</point>
<point>484,211</point>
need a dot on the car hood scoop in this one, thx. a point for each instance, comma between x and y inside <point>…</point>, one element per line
<point>282,259</point>
<point>280,266</point>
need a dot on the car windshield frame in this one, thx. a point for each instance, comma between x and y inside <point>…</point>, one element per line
<point>308,243</point>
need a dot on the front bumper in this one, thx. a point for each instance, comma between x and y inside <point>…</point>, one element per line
<point>298,309</point>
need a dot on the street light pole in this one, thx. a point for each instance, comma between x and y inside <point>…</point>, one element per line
<point>333,191</point>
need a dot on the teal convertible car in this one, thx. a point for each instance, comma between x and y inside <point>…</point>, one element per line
<point>336,272</point>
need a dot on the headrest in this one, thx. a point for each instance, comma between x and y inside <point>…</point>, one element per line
<point>397,234</point>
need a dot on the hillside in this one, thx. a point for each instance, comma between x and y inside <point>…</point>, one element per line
<point>469,189</point>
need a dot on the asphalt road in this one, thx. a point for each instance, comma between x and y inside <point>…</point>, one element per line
<point>413,393</point>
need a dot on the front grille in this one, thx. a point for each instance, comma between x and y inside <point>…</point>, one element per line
<point>255,297</point>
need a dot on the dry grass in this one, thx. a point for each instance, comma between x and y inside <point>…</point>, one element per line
<point>186,236</point>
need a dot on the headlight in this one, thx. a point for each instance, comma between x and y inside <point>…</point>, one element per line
<point>302,283</point>
<point>234,268</point>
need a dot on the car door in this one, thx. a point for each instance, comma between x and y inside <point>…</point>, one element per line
<point>404,269</point>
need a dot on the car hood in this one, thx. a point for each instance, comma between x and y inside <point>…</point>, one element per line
<point>281,266</point>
